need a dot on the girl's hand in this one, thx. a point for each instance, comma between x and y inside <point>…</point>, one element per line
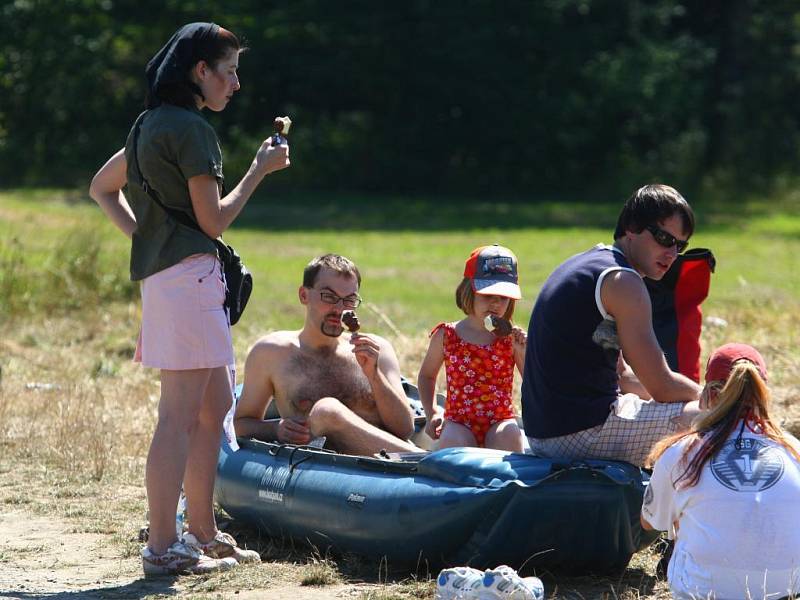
<point>433,427</point>
<point>519,337</point>
<point>271,158</point>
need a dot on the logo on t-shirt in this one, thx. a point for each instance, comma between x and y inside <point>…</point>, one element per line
<point>747,465</point>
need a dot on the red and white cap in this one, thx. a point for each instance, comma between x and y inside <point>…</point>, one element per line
<point>493,271</point>
<point>722,360</point>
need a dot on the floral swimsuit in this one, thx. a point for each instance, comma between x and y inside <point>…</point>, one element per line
<point>479,381</point>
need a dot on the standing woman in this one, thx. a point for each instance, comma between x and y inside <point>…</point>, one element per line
<point>728,491</point>
<point>185,331</point>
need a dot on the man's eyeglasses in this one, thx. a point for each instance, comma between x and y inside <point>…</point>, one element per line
<point>666,239</point>
<point>333,299</point>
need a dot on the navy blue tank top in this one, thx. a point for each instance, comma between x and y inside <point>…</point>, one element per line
<point>570,378</point>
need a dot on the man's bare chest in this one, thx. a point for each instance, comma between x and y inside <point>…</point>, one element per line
<point>309,376</point>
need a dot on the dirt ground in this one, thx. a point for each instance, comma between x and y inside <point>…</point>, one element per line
<point>44,557</point>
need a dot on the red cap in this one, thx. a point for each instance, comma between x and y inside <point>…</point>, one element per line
<point>722,360</point>
<point>493,271</point>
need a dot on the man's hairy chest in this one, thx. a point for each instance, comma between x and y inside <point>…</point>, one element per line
<point>309,376</point>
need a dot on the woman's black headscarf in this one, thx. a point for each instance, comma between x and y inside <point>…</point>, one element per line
<point>170,66</point>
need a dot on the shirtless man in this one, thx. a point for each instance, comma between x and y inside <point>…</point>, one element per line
<point>344,387</point>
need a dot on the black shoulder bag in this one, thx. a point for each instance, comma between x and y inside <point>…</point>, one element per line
<point>238,280</point>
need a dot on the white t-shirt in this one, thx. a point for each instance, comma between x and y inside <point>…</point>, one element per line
<point>738,528</point>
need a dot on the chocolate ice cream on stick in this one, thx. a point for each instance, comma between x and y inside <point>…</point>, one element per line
<point>497,325</point>
<point>350,321</point>
<point>281,127</point>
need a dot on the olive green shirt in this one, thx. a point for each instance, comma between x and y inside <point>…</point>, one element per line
<point>175,144</point>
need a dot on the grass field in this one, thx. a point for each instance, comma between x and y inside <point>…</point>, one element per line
<point>76,415</point>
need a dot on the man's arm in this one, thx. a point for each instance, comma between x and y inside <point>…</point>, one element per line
<point>628,382</point>
<point>625,297</point>
<point>379,363</point>
<point>257,393</point>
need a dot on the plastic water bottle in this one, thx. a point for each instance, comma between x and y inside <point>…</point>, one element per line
<point>180,515</point>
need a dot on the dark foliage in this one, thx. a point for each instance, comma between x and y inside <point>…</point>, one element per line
<point>445,96</point>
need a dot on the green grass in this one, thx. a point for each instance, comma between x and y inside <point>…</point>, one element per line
<point>58,252</point>
<point>59,255</point>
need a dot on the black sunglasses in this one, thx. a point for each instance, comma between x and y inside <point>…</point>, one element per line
<point>666,239</point>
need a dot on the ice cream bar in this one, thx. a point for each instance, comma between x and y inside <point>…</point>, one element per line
<point>281,126</point>
<point>497,325</point>
<point>350,321</point>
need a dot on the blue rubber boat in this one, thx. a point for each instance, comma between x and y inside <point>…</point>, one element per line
<point>464,506</point>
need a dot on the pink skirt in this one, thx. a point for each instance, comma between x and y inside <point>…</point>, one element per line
<point>184,323</point>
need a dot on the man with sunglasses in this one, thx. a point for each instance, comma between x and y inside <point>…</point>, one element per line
<point>596,383</point>
<point>345,388</point>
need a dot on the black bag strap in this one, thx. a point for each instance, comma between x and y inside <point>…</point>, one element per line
<point>179,216</point>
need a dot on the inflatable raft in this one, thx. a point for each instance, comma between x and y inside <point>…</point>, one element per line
<point>465,506</point>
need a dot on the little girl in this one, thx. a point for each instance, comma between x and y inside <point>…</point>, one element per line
<point>479,356</point>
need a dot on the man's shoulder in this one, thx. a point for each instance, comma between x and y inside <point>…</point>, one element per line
<point>585,268</point>
<point>624,277</point>
<point>275,342</point>
<point>623,290</point>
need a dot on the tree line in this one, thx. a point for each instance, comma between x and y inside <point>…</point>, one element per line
<point>437,96</point>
